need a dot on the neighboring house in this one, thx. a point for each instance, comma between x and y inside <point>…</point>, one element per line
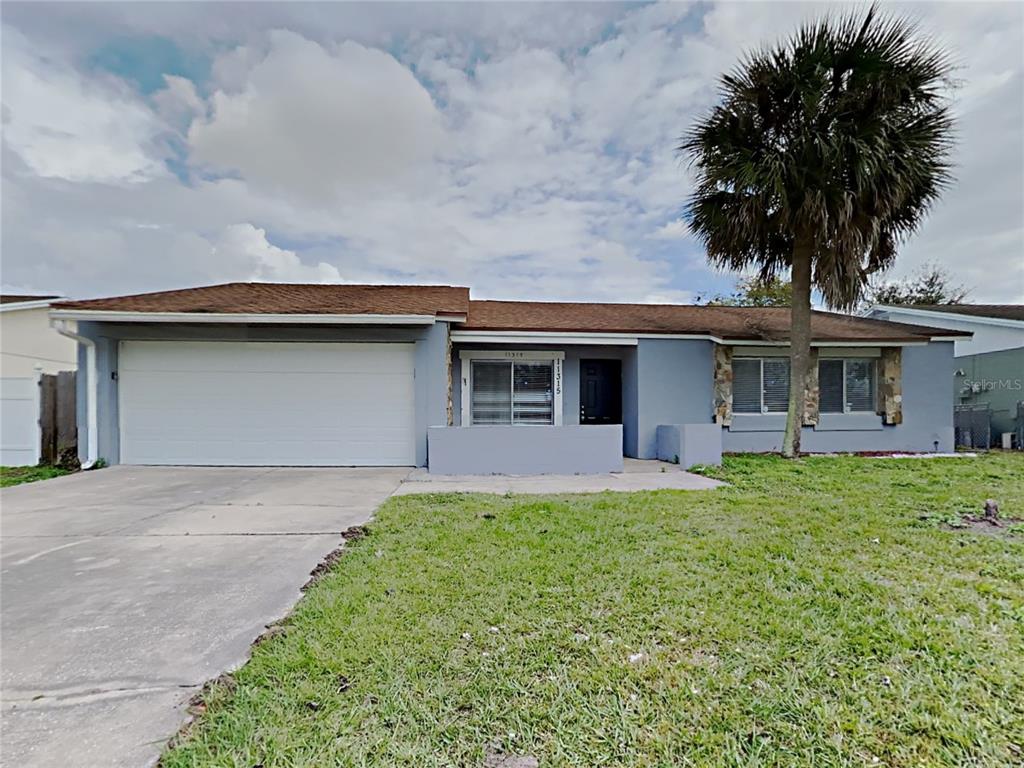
<point>989,365</point>
<point>27,342</point>
<point>28,347</point>
<point>280,374</point>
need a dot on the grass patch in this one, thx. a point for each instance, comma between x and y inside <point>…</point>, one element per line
<point>804,615</point>
<point>19,475</point>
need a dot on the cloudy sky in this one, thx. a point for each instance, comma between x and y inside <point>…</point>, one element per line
<point>525,150</point>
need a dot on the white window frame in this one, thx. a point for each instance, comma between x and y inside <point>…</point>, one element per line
<point>468,356</point>
<point>874,381</point>
<point>760,362</point>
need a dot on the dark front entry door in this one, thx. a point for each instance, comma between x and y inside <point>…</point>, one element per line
<point>600,392</point>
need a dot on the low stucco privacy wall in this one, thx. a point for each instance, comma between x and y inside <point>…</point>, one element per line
<point>690,444</point>
<point>520,450</point>
<point>431,379</point>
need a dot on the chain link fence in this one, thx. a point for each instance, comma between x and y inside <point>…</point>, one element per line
<point>973,426</point>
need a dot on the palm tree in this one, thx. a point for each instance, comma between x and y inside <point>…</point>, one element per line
<point>824,153</point>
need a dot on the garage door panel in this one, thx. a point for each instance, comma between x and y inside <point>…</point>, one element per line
<point>287,453</point>
<point>266,404</point>
<point>272,357</point>
<point>237,389</point>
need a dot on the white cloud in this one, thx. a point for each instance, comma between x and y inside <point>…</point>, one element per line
<point>64,126</point>
<point>313,122</point>
<point>178,102</point>
<point>673,230</point>
<point>248,246</point>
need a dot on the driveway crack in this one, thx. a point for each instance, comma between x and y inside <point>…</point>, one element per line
<point>70,698</point>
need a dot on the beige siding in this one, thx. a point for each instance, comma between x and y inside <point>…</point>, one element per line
<point>27,340</point>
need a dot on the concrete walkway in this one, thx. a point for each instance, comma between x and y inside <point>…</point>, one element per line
<point>638,475</point>
<point>125,589</point>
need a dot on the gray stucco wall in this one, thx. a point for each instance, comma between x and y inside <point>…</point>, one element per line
<point>675,380</point>
<point>431,385</point>
<point>630,399</point>
<point>664,381</point>
<point>927,416</point>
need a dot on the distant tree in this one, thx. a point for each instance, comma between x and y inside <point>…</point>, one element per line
<point>824,152</point>
<point>757,292</point>
<point>931,284</point>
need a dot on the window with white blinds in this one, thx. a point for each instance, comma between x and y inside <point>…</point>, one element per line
<point>760,385</point>
<point>847,385</point>
<point>492,393</point>
<point>512,392</point>
<point>775,383</point>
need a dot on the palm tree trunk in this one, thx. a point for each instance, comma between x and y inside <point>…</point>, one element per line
<point>799,344</point>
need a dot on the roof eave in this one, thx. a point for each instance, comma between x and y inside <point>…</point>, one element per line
<point>940,315</point>
<point>566,335</point>
<point>34,304</point>
<point>239,318</point>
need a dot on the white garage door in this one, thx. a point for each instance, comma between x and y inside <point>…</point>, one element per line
<point>257,403</point>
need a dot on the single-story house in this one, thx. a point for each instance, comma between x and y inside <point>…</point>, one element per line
<point>29,347</point>
<point>283,374</point>
<point>989,370</point>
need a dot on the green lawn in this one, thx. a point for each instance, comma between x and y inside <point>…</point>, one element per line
<point>18,475</point>
<point>805,616</point>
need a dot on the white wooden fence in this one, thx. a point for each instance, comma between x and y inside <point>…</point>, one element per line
<point>19,421</point>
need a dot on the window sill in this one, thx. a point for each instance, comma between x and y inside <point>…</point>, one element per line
<point>527,426</point>
<point>758,422</point>
<point>849,422</point>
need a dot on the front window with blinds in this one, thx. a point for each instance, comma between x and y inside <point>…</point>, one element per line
<point>512,392</point>
<point>847,385</point>
<point>760,385</point>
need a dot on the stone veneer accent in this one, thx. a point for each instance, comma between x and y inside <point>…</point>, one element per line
<point>723,385</point>
<point>812,395</point>
<point>450,404</point>
<point>890,385</point>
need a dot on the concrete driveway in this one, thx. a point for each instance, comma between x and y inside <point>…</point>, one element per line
<point>125,589</point>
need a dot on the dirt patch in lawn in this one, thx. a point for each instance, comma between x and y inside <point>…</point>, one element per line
<point>989,523</point>
<point>495,758</point>
<point>355,533</point>
<point>1007,526</point>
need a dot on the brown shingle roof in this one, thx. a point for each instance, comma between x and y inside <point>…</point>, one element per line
<point>1001,311</point>
<point>736,323</point>
<point>290,299</point>
<point>13,298</point>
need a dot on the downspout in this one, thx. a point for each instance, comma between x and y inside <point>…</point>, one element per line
<point>91,386</point>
